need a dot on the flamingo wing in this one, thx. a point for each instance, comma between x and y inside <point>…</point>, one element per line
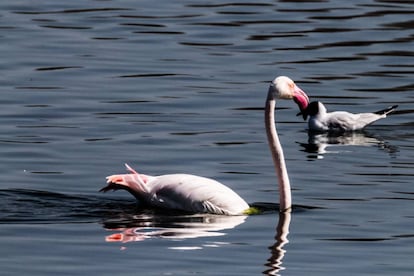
<point>194,194</point>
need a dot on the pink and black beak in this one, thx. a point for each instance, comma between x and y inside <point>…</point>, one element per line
<point>302,100</point>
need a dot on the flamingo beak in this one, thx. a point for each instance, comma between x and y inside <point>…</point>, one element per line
<point>302,100</point>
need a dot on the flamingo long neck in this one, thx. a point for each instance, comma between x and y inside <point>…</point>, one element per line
<point>285,198</point>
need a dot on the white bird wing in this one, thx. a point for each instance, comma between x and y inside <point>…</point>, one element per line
<point>365,119</point>
<point>195,194</point>
<point>345,121</point>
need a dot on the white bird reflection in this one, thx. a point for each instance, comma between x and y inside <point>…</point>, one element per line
<point>146,226</point>
<point>318,143</point>
<point>276,250</point>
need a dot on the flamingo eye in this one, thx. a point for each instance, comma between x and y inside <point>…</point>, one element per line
<point>291,85</point>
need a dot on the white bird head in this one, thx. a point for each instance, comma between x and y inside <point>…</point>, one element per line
<point>283,87</point>
<point>315,108</point>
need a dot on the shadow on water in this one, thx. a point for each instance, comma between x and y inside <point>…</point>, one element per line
<point>33,206</point>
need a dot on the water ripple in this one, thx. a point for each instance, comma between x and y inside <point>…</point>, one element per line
<point>72,11</point>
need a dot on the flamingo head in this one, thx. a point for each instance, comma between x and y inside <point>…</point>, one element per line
<point>284,88</point>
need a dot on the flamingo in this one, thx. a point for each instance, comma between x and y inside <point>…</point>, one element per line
<point>340,121</point>
<point>197,194</point>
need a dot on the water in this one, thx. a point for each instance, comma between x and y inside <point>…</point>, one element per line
<point>179,87</point>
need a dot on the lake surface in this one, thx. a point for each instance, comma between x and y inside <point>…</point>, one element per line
<point>179,86</point>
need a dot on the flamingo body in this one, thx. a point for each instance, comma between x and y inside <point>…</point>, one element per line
<point>185,192</point>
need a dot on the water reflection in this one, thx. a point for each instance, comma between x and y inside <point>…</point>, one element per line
<point>149,225</point>
<point>318,143</point>
<point>276,250</point>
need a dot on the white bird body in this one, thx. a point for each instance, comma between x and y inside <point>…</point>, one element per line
<point>198,194</point>
<point>341,121</point>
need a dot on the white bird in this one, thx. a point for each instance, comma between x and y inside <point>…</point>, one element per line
<point>340,121</point>
<point>198,194</point>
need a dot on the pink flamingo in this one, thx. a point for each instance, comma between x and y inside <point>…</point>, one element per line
<point>198,194</point>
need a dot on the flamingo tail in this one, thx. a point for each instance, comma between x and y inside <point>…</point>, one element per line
<point>133,182</point>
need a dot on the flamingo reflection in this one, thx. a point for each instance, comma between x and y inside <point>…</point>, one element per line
<point>143,227</point>
<point>277,250</point>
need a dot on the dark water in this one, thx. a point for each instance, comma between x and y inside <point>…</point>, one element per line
<point>179,87</point>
